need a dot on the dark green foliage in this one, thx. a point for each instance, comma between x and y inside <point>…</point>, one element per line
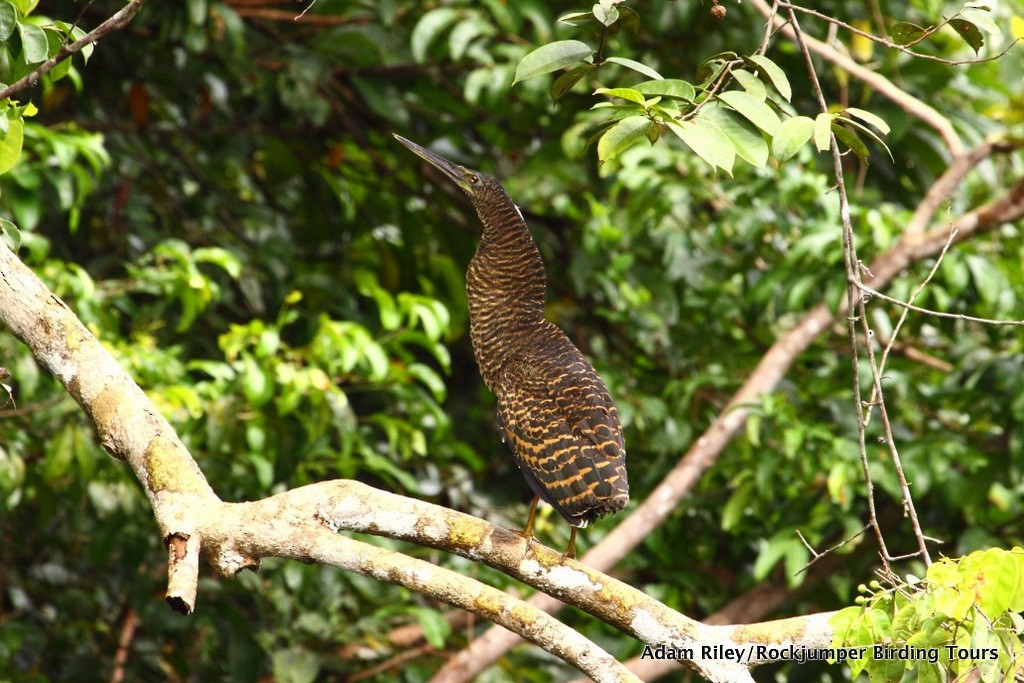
<point>219,198</point>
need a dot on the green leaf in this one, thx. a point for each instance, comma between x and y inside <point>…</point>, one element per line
<point>850,139</point>
<point>428,29</point>
<point>8,20</point>
<point>867,117</point>
<point>295,665</point>
<point>969,32</point>
<point>256,383</point>
<point>622,136</point>
<point>436,628</point>
<point>564,83</point>
<point>980,16</point>
<point>867,131</point>
<point>774,74</point>
<point>551,57</point>
<point>607,14</point>
<point>791,136</point>
<point>756,111</point>
<point>707,141</point>
<point>668,87</point>
<point>464,33</point>
<point>622,93</point>
<point>905,33</point>
<point>823,132</point>
<point>746,139</point>
<point>635,66</point>
<point>10,147</point>
<point>576,18</point>
<point>754,86</point>
<point>10,234</point>
<point>34,46</point>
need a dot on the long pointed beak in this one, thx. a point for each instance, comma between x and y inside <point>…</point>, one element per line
<point>458,174</point>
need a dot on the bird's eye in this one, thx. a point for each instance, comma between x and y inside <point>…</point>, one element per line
<point>474,179</point>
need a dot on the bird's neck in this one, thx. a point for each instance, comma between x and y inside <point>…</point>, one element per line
<point>505,286</point>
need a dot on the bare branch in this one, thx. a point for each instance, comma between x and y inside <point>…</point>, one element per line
<point>939,314</point>
<point>896,46</point>
<point>117,21</point>
<point>127,424</point>
<point>283,527</point>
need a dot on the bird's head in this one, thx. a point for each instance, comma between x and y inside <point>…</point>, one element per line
<point>479,186</point>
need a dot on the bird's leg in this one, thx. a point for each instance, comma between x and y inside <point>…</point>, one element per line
<point>570,552</point>
<point>527,532</point>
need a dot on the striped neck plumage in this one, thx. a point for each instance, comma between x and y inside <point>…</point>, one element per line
<point>507,263</point>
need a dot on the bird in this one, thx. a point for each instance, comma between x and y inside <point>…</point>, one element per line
<point>554,411</point>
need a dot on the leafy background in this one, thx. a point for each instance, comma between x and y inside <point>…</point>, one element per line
<point>217,195</point>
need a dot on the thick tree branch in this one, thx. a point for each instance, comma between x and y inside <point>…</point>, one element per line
<point>127,424</point>
<point>117,21</point>
<point>301,523</point>
<point>490,646</point>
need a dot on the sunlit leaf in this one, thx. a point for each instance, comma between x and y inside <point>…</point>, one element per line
<point>753,85</point>
<point>10,147</point>
<point>774,74</point>
<point>606,13</point>
<point>622,93</point>
<point>791,136</point>
<point>8,19</point>
<point>756,111</point>
<point>10,234</point>
<point>668,87</point>
<point>622,136</point>
<point>867,117</point>
<point>34,45</point>
<point>551,57</point>
<point>708,142</point>
<point>746,139</point>
<point>428,29</point>
<point>823,132</point>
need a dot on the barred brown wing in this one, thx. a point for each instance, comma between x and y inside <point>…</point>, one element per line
<point>571,453</point>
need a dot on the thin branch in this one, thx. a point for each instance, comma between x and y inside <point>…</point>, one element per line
<point>768,28</point>
<point>124,644</point>
<point>876,82</point>
<point>117,21</point>
<point>852,266</point>
<point>896,46</point>
<point>939,314</point>
<point>903,315</point>
<point>282,15</point>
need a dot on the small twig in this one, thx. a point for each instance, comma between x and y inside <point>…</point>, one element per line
<point>896,46</point>
<point>768,26</point>
<point>903,316</point>
<point>117,21</point>
<point>890,442</point>
<point>817,556</point>
<point>940,314</point>
<point>283,15</point>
